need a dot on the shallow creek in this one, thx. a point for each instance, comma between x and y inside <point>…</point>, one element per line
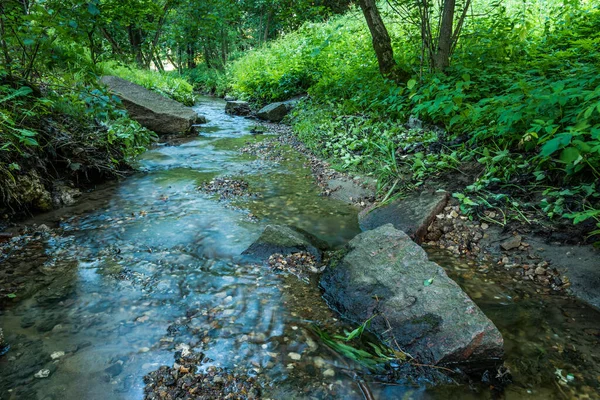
<point>152,265</point>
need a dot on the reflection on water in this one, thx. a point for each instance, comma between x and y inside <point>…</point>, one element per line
<point>155,268</point>
<point>552,342</point>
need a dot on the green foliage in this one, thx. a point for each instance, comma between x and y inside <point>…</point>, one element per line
<point>167,84</point>
<point>208,80</point>
<point>79,131</point>
<point>522,92</point>
<point>371,355</point>
<point>315,55</point>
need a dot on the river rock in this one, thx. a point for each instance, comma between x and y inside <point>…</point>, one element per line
<point>412,214</point>
<point>274,112</point>
<point>285,240</point>
<point>238,108</point>
<point>152,110</point>
<point>64,195</point>
<point>29,190</point>
<point>4,347</point>
<point>384,272</point>
<point>512,243</point>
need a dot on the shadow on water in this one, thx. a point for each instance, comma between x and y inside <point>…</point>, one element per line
<point>154,267</point>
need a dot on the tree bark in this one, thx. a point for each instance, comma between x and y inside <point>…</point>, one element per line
<point>441,57</point>
<point>191,56</point>
<point>382,44</point>
<point>116,49</point>
<point>135,40</point>
<point>7,58</point>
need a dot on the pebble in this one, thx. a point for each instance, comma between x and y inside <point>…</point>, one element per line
<point>294,356</point>
<point>540,271</point>
<point>57,354</point>
<point>512,243</point>
<point>329,372</point>
<point>42,373</point>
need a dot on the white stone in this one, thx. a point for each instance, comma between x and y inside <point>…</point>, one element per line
<point>42,373</point>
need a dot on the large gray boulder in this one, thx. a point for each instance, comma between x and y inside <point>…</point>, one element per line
<point>419,307</point>
<point>284,239</point>
<point>274,112</point>
<point>412,214</point>
<point>238,107</point>
<point>152,110</point>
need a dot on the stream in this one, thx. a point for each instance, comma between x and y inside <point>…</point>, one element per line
<point>151,265</point>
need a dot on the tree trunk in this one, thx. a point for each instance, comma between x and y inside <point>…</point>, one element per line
<point>267,27</point>
<point>116,49</point>
<point>441,57</point>
<point>7,58</point>
<point>135,40</point>
<point>382,44</point>
<point>191,56</point>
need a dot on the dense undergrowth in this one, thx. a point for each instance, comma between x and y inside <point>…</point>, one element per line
<point>65,126</point>
<point>520,105</point>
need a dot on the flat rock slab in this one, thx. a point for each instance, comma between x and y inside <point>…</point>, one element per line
<point>418,306</point>
<point>412,214</point>
<point>152,110</point>
<point>284,239</point>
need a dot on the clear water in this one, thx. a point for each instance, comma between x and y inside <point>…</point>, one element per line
<point>152,265</point>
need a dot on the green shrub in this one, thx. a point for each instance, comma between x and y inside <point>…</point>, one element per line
<point>208,80</point>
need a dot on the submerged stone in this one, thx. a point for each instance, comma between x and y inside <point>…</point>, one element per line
<point>285,240</point>
<point>412,214</point>
<point>152,110</point>
<point>417,306</point>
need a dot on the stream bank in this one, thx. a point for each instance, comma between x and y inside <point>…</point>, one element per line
<point>150,267</point>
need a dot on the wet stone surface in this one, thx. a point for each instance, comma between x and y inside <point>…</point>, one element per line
<point>301,264</point>
<point>185,380</point>
<point>226,187</point>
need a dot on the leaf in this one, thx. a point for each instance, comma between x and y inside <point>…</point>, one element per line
<point>22,91</point>
<point>428,282</point>
<point>555,144</point>
<point>569,155</point>
<point>11,295</point>
<point>411,83</point>
<point>93,10</point>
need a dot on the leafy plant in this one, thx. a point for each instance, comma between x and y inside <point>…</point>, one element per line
<point>374,358</point>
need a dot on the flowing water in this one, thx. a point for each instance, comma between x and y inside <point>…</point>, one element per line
<point>151,265</point>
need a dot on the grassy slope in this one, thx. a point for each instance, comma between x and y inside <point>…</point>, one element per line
<point>520,106</point>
